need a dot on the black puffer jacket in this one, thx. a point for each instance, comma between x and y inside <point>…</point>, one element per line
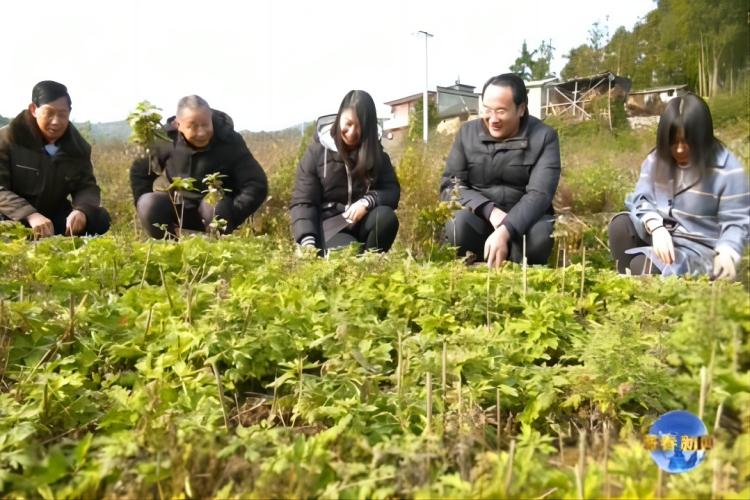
<point>518,175</point>
<point>324,185</point>
<point>32,181</point>
<point>227,154</point>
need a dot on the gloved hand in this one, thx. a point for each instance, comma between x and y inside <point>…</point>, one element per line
<point>724,267</point>
<point>661,241</point>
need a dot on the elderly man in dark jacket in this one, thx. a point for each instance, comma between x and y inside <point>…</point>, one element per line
<point>203,142</point>
<point>43,161</point>
<point>504,169</point>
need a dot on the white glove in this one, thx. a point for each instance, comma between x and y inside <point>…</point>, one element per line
<point>724,267</point>
<point>661,241</point>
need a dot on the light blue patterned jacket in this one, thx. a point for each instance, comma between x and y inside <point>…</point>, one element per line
<point>705,214</point>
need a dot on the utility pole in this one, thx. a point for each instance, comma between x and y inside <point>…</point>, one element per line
<point>425,103</point>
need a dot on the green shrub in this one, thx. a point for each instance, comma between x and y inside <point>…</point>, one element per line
<point>729,108</point>
<point>597,188</point>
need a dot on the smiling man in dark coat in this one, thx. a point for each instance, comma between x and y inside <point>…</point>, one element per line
<point>203,142</point>
<point>505,168</point>
<point>44,161</point>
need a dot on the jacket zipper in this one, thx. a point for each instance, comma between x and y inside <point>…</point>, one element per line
<point>348,185</point>
<point>36,170</point>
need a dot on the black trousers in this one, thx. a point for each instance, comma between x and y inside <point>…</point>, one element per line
<point>156,209</point>
<point>622,237</point>
<point>377,230</point>
<point>469,232</point>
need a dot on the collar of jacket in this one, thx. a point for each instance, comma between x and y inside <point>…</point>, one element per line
<point>26,133</point>
<point>694,175</point>
<point>519,141</point>
<point>721,158</point>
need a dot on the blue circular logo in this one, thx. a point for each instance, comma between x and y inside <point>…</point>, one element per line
<point>678,441</point>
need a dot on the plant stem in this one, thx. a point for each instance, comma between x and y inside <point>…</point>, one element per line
<point>166,289</point>
<point>703,393</point>
<point>523,267</point>
<point>220,388</point>
<point>444,380</point>
<point>145,266</point>
<point>565,250</point>
<point>497,419</point>
<point>429,402</point>
<point>148,320</point>
<point>717,422</point>
<point>659,482</point>
<point>580,471</point>
<point>607,488</point>
<point>509,467</point>
<point>460,403</point>
<point>715,476</point>
<point>399,366</point>
<point>487,295</point>
<point>583,270</point>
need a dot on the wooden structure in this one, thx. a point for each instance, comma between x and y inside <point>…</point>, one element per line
<point>574,98</point>
<point>538,95</point>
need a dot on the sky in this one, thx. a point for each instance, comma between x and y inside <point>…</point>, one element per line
<point>272,64</point>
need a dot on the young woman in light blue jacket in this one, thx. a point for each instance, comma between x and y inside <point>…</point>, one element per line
<point>690,211</point>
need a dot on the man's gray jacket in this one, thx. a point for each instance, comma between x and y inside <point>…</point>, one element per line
<point>518,175</point>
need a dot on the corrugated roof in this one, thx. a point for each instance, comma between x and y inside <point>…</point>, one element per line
<point>659,89</point>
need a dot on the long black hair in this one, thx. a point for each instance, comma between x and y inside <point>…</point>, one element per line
<point>368,153</point>
<point>690,114</point>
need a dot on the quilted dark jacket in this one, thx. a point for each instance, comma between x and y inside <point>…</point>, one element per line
<point>518,175</point>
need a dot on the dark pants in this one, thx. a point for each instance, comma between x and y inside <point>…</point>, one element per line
<point>156,209</point>
<point>469,232</point>
<point>377,230</point>
<point>622,237</point>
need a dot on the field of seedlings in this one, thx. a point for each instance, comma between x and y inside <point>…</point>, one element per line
<point>240,367</point>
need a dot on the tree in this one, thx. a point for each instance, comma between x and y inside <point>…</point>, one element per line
<point>86,131</point>
<point>702,43</point>
<point>589,58</point>
<point>416,117</point>
<point>534,65</point>
<point>524,63</point>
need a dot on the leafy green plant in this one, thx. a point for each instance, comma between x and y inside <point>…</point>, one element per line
<point>145,125</point>
<point>218,367</point>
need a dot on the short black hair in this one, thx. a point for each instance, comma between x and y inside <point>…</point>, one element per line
<point>47,91</point>
<point>516,84</point>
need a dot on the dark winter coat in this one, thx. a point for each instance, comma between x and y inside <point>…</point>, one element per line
<point>518,175</point>
<point>324,186</point>
<point>33,181</point>
<point>226,154</point>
